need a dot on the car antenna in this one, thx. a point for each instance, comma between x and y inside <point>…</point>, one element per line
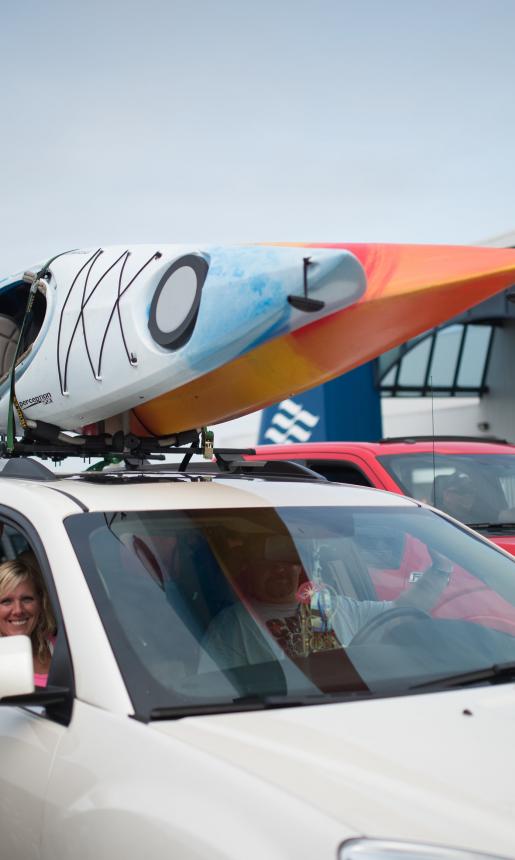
<point>433,437</point>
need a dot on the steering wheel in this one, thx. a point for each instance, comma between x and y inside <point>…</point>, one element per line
<point>463,592</point>
<point>376,624</point>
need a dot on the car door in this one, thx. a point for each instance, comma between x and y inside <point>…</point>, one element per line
<point>29,735</point>
<point>28,740</point>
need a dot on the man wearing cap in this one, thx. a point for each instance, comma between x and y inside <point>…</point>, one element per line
<point>460,499</point>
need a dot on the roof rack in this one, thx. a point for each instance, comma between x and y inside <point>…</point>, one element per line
<point>226,461</point>
<point>26,468</point>
<point>49,442</point>
<point>224,464</point>
<point>54,444</point>
<point>267,470</point>
<point>413,439</point>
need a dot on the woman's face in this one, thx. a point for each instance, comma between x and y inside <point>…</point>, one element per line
<point>19,610</point>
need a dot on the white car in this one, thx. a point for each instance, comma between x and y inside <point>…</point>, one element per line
<point>371,716</point>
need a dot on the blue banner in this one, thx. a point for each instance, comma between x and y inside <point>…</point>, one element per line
<point>347,408</point>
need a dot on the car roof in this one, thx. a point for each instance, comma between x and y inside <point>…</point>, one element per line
<point>408,445</point>
<point>140,490</point>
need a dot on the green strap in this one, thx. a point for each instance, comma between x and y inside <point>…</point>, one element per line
<point>107,461</point>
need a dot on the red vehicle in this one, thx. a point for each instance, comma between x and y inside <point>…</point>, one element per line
<point>472,480</point>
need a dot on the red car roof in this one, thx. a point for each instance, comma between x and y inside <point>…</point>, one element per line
<point>395,447</point>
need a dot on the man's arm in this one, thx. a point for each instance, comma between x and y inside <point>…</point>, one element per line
<point>425,593</point>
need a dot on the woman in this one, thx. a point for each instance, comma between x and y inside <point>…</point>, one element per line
<point>25,611</point>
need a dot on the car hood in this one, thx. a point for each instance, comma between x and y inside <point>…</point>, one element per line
<point>434,767</point>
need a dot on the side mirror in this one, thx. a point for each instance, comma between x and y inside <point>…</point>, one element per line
<point>16,666</point>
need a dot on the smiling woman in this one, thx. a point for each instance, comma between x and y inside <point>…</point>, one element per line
<point>25,611</point>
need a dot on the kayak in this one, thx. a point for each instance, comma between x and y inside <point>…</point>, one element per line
<point>410,289</point>
<point>114,328</point>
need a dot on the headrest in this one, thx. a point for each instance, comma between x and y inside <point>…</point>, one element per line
<point>507,515</point>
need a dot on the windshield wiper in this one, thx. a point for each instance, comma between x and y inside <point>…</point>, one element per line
<point>496,674</point>
<point>266,702</point>
<point>176,712</point>
<point>491,527</point>
<point>254,703</point>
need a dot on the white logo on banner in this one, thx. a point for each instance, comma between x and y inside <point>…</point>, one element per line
<point>292,424</point>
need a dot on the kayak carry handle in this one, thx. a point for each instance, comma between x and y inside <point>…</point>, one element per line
<point>304,303</point>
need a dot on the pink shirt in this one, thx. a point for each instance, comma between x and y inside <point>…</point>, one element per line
<point>41,680</point>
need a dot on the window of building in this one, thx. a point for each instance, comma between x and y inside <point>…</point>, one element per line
<point>448,361</point>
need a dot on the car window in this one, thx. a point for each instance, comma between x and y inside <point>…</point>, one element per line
<point>474,488</point>
<point>12,542</point>
<point>25,604</point>
<point>339,470</point>
<point>209,606</point>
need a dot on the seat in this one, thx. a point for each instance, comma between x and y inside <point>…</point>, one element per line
<point>344,568</point>
<point>9,334</point>
<point>441,483</point>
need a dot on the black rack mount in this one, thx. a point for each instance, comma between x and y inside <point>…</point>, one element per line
<point>57,445</point>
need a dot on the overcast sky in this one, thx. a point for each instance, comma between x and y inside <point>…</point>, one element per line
<point>362,120</point>
<point>232,121</point>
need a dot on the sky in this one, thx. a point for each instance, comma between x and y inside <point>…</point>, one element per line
<point>331,120</point>
<point>236,121</point>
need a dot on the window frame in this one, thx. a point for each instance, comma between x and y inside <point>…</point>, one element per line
<point>61,668</point>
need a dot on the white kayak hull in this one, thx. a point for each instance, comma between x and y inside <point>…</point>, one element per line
<point>125,325</point>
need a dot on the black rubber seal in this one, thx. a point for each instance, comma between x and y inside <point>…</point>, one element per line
<point>181,334</point>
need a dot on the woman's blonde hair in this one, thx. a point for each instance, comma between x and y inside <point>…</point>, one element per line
<point>26,568</point>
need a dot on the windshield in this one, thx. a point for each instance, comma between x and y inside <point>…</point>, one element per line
<point>478,489</point>
<point>220,606</point>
